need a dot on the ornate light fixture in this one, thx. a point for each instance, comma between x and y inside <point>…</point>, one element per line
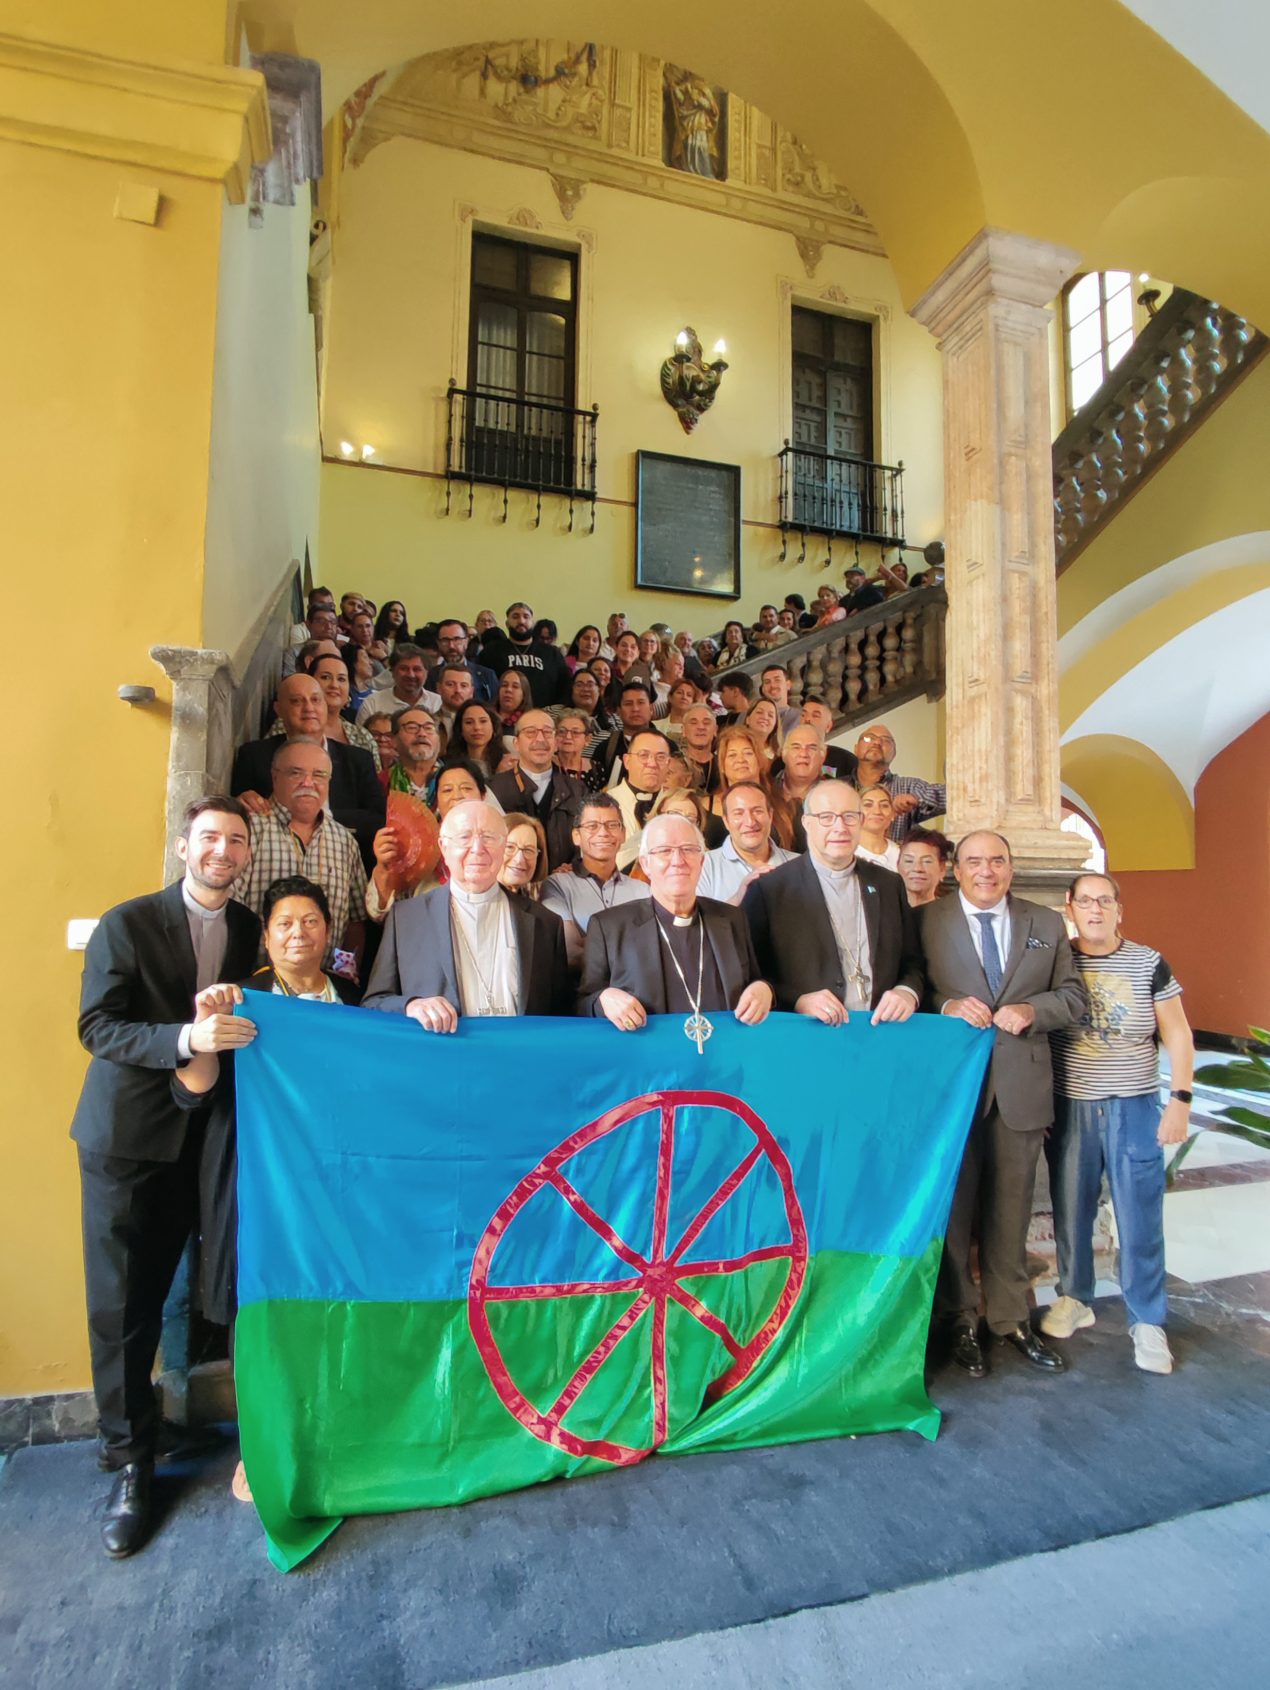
<point>688,383</point>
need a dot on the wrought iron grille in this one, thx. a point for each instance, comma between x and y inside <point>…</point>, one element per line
<point>506,442</point>
<point>824,493</point>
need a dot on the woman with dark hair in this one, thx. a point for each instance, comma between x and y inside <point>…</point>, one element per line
<point>545,631</point>
<point>735,649</point>
<point>924,856</point>
<point>511,701</point>
<point>392,624</point>
<point>476,737</point>
<point>627,665</point>
<point>365,671</point>
<point>602,670</point>
<point>1108,1121</point>
<point>586,645</point>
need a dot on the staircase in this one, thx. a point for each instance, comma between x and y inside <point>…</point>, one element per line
<point>870,662</point>
<point>1187,359</point>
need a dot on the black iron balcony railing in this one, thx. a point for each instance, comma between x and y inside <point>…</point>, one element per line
<point>841,496</point>
<point>524,443</point>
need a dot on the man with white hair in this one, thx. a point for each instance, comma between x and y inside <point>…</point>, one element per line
<point>469,947</point>
<point>673,954</point>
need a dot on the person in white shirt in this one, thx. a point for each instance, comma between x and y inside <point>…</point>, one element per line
<point>879,813</point>
<point>409,673</point>
<point>748,851</point>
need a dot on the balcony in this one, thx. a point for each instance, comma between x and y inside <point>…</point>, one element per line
<point>840,496</point>
<point>497,440</point>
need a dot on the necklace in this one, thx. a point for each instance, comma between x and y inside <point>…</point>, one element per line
<point>696,1027</point>
<point>491,1008</point>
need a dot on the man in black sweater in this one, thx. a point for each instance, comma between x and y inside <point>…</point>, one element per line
<point>544,666</point>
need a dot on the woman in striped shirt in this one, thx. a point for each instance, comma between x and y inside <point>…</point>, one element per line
<point>1108,1118</point>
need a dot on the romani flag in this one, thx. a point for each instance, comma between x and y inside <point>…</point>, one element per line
<point>538,1248</point>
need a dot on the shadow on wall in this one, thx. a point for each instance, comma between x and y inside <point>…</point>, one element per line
<point>1212,921</point>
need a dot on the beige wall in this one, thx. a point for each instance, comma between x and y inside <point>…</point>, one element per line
<point>262,497</point>
<point>398,331</point>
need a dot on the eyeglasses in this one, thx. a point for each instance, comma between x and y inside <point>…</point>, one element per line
<point>826,818</point>
<point>570,733</point>
<point>535,733</point>
<point>658,758</point>
<point>601,827</point>
<point>465,841</point>
<point>1106,902</point>
<point>877,739</point>
<point>529,852</point>
<point>664,853</point>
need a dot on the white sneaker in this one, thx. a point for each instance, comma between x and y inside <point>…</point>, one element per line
<point>1151,1349</point>
<point>1066,1316</point>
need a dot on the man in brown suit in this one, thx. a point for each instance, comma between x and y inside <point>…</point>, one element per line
<point>998,961</point>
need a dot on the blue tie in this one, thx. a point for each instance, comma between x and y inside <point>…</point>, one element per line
<point>991,955</point>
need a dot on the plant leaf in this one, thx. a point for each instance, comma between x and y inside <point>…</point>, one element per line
<point>1247,1124</point>
<point>1236,1076</point>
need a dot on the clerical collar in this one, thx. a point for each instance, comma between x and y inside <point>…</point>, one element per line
<point>475,898</point>
<point>836,875</point>
<point>678,920</point>
<point>200,910</point>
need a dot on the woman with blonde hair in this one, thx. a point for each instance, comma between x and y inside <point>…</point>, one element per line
<point>764,722</point>
<point>524,856</point>
<point>739,758</point>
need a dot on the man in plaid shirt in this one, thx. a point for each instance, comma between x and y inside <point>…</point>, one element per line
<point>292,833</point>
<point>915,800</point>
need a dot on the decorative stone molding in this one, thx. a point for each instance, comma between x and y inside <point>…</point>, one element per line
<point>209,122</point>
<point>810,251</point>
<point>568,191</point>
<point>217,702</point>
<point>524,218</point>
<point>295,114</point>
<point>595,116</point>
<point>987,311</point>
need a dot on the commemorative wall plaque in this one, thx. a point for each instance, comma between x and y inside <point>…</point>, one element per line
<point>687,525</point>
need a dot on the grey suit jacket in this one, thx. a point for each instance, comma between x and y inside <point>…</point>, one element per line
<point>1038,971</point>
<point>416,957</point>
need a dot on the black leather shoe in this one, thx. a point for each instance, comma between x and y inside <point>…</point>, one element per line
<point>1033,1349</point>
<point>967,1352</point>
<point>174,1443</point>
<point>127,1522</point>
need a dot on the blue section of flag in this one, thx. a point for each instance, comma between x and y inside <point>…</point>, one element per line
<point>373,1155</point>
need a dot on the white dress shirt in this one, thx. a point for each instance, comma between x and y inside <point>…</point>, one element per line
<point>890,858</point>
<point>486,956</point>
<point>1000,914</point>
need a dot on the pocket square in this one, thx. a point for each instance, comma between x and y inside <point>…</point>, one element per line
<point>1039,945</point>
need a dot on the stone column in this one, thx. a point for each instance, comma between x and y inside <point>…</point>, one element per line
<point>988,312</point>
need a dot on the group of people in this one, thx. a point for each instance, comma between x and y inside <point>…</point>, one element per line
<point>792,876</point>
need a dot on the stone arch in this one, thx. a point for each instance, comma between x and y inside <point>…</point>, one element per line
<point>1140,806</point>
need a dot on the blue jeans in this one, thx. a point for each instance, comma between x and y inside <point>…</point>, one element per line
<point>1118,1134</point>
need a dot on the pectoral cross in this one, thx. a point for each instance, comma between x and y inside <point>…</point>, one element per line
<point>698,1030</point>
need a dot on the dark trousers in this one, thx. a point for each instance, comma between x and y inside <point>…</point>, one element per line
<point>992,1202</point>
<point>137,1217</point>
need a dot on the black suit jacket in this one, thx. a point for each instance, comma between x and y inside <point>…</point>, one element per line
<point>794,940</point>
<point>137,993</point>
<point>558,814</point>
<point>357,798</point>
<point>623,949</point>
<point>416,957</point>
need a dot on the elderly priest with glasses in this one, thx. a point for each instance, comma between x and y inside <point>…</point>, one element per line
<point>674,953</point>
<point>469,947</point>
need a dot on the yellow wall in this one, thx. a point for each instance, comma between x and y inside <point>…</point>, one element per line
<point>399,320</point>
<point>109,345</point>
<point>262,497</point>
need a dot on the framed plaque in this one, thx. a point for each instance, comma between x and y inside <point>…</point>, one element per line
<point>687,525</point>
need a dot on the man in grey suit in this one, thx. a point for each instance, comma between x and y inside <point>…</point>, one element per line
<point>470,948</point>
<point>998,961</point>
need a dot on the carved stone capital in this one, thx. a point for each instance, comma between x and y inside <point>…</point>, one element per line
<point>996,266</point>
<point>569,191</point>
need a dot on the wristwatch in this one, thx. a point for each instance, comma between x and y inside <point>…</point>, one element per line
<point>1182,1096</point>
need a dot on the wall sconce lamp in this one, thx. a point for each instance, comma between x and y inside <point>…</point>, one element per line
<point>348,450</point>
<point>688,383</point>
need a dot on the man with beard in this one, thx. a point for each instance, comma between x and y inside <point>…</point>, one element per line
<point>544,666</point>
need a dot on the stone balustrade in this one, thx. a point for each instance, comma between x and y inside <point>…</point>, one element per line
<point>1185,360</point>
<point>875,660</point>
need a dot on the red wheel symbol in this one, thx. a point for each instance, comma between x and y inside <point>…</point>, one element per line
<point>655,1278</point>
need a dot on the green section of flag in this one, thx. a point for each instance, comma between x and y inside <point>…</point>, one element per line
<point>373,1407</point>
